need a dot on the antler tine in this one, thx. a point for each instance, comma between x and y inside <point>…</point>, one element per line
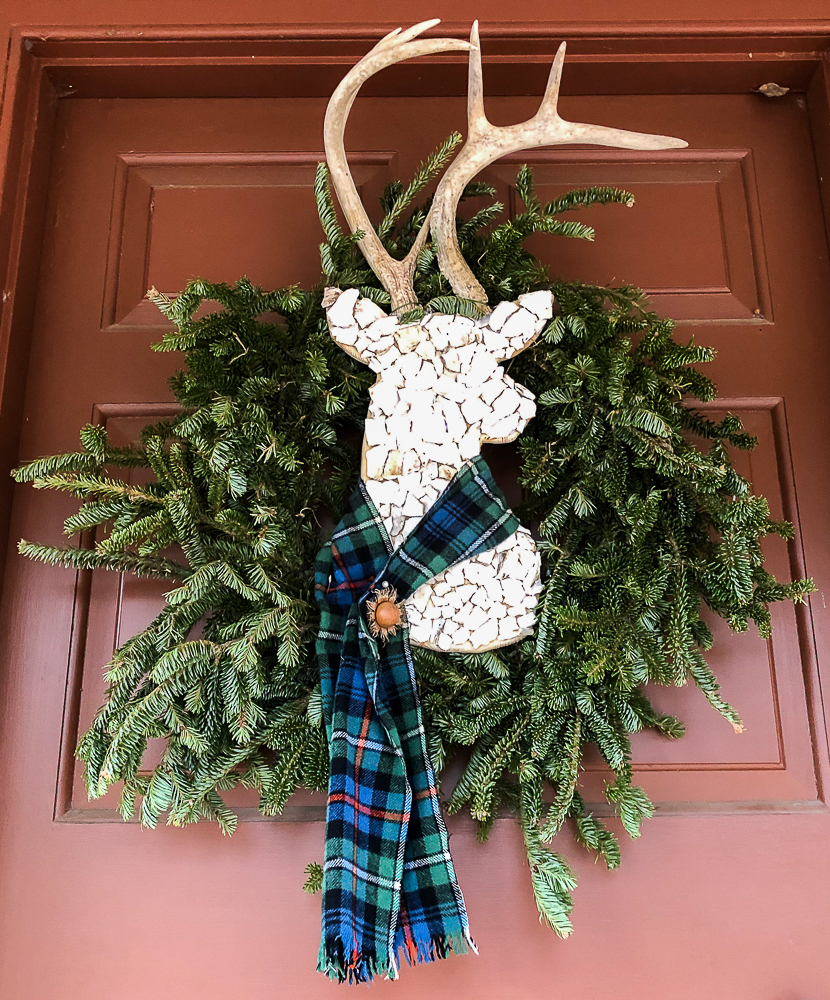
<point>476,115</point>
<point>396,276</point>
<point>486,143</point>
<point>550,101</point>
<point>418,29</point>
<point>386,37</point>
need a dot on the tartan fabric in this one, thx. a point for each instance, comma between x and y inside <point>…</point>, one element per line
<point>388,880</point>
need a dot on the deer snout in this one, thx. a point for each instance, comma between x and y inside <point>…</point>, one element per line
<point>511,411</point>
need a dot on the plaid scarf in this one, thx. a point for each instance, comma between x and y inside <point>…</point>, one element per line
<point>388,878</point>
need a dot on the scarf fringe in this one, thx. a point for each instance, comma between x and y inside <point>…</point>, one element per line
<point>359,967</point>
<point>430,949</point>
<point>364,967</point>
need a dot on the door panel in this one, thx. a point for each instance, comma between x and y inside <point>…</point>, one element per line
<point>694,243</point>
<point>726,236</point>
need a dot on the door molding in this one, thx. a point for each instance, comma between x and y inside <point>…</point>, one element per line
<point>48,64</point>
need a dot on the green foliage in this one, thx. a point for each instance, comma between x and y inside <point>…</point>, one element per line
<point>314,882</point>
<point>226,673</point>
<point>643,522</point>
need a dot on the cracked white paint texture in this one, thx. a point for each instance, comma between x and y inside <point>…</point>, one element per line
<point>440,394</point>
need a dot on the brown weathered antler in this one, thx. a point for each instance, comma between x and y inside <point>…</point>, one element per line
<point>396,276</point>
<point>486,143</point>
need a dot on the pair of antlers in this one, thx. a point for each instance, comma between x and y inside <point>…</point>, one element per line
<point>485,143</point>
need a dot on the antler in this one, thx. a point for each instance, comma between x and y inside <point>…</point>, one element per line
<point>396,276</point>
<point>486,143</point>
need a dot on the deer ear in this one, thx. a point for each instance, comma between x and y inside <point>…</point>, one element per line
<point>354,323</point>
<point>513,326</point>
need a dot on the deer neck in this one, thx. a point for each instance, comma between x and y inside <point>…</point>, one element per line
<point>404,468</point>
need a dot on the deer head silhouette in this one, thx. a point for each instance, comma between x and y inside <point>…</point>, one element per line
<point>440,392</point>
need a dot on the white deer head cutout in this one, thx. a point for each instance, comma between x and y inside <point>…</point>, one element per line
<point>441,392</point>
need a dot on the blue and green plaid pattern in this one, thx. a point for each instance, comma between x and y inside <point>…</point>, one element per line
<point>388,878</point>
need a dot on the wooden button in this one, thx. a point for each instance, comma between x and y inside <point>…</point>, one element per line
<point>387,614</point>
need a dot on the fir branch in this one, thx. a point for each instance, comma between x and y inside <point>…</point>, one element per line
<point>314,882</point>
<point>404,196</point>
<point>152,566</point>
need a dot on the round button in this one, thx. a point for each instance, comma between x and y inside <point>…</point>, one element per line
<point>387,614</point>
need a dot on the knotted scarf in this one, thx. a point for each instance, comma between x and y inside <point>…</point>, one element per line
<point>388,880</point>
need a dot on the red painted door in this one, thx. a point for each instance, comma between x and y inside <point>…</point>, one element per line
<point>725,895</point>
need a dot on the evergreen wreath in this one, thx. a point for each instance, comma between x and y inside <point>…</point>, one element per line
<point>639,530</point>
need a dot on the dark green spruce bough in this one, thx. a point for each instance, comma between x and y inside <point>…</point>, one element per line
<point>640,530</point>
